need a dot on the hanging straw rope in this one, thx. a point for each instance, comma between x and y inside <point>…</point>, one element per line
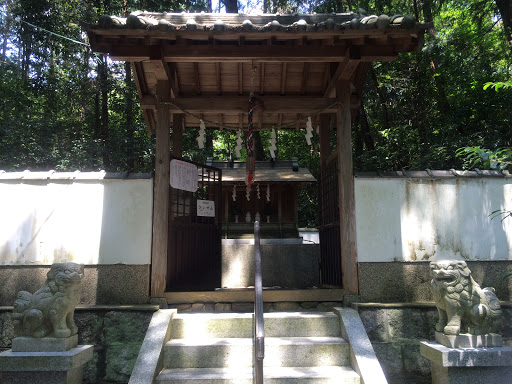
<point>232,127</point>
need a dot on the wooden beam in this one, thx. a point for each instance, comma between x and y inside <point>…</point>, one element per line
<point>262,79</point>
<point>283,77</point>
<point>219,78</point>
<point>185,53</point>
<point>197,83</point>
<point>325,138</point>
<point>238,104</point>
<point>178,120</point>
<point>140,82</point>
<point>173,79</point>
<point>346,190</point>
<point>161,194</point>
<point>305,75</point>
<point>344,71</point>
<point>240,78</point>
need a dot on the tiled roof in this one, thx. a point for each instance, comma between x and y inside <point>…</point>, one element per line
<point>261,23</point>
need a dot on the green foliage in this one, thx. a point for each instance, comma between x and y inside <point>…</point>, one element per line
<point>476,157</point>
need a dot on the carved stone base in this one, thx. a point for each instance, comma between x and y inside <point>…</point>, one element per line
<point>60,366</point>
<point>469,341</point>
<point>468,365</point>
<point>45,344</point>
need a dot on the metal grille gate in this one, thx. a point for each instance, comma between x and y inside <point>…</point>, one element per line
<point>329,229</point>
<point>194,247</point>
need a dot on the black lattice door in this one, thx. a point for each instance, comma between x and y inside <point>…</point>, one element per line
<point>329,229</point>
<point>194,247</point>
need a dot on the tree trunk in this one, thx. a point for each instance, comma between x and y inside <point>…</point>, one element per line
<point>442,100</point>
<point>365,130</point>
<point>231,6</point>
<point>130,147</point>
<point>382,98</point>
<point>505,9</point>
<point>102,74</point>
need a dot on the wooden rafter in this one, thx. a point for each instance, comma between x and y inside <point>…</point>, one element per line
<point>305,74</point>
<point>284,66</point>
<point>262,79</point>
<point>197,85</point>
<point>240,78</point>
<point>219,78</point>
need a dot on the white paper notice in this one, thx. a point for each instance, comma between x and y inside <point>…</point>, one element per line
<point>183,175</point>
<point>206,208</point>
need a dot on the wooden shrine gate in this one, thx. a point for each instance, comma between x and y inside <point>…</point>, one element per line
<point>329,226</point>
<point>194,241</point>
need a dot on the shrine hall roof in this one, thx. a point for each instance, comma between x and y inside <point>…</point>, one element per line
<point>266,172</point>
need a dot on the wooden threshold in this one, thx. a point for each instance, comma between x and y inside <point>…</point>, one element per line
<point>247,295</point>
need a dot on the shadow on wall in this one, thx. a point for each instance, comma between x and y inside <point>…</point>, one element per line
<point>124,256</point>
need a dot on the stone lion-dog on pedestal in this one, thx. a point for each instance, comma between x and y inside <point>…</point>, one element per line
<point>463,306</point>
<point>49,311</point>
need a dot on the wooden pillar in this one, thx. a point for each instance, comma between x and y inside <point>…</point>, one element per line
<point>177,134</point>
<point>346,190</point>
<point>161,193</point>
<point>325,138</point>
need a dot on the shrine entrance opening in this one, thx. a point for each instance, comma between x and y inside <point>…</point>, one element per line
<point>195,220</point>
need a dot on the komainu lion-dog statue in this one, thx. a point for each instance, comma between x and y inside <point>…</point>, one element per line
<point>463,306</point>
<point>49,311</point>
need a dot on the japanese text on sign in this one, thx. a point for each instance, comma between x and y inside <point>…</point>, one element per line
<point>206,208</point>
<point>183,175</point>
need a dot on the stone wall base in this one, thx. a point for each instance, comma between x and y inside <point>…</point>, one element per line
<point>399,282</point>
<point>102,284</point>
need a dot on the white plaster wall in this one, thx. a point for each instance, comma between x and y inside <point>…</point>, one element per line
<point>90,222</point>
<point>409,219</point>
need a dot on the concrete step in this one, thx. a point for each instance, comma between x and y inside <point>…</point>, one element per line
<point>272,375</point>
<point>277,324</point>
<point>237,352</point>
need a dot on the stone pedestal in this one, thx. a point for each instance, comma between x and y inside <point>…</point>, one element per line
<point>468,365</point>
<point>46,360</point>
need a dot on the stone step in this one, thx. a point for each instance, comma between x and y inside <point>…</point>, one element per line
<point>237,352</point>
<point>272,375</point>
<point>277,324</point>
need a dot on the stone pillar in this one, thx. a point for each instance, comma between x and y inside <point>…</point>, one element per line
<point>47,360</point>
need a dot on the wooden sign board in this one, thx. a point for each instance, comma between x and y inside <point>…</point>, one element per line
<point>206,208</point>
<point>183,175</point>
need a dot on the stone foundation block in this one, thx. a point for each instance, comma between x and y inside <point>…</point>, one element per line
<point>469,341</point>
<point>44,367</point>
<point>468,365</point>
